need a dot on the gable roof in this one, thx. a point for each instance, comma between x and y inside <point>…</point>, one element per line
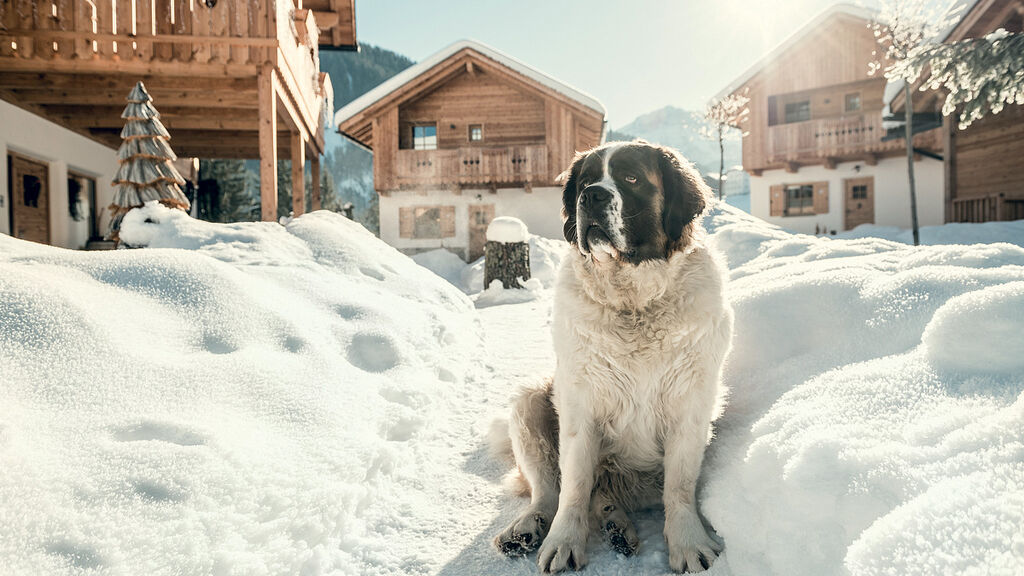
<point>385,89</point>
<point>834,10</point>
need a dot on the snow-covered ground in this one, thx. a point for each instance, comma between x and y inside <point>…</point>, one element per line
<point>258,399</point>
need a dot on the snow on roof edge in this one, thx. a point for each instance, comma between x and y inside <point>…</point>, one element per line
<point>398,80</point>
<point>792,39</point>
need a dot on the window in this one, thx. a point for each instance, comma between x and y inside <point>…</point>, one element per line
<point>799,200</point>
<point>424,137</point>
<point>798,111</point>
<point>853,102</point>
<point>426,222</point>
<point>859,192</point>
<point>476,132</point>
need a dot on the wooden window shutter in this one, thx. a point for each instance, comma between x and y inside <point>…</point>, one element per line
<point>777,201</point>
<point>447,221</point>
<point>821,197</point>
<point>406,222</point>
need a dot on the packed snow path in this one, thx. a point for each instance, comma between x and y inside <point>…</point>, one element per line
<point>258,399</point>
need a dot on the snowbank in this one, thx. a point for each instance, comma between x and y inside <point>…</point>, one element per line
<point>955,233</point>
<point>876,417</point>
<point>239,399</point>
<point>545,258</point>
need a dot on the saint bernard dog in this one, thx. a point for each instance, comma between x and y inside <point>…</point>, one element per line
<point>641,329</point>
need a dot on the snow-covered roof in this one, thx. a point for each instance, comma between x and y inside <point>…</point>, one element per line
<point>842,8</point>
<point>412,72</point>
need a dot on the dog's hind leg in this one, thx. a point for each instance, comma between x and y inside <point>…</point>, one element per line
<point>608,510</point>
<point>533,429</point>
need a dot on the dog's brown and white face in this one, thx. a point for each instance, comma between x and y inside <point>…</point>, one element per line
<point>631,202</point>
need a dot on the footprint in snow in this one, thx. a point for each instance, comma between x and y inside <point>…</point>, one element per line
<point>77,555</point>
<point>217,345</point>
<point>159,431</point>
<point>372,353</point>
<point>157,492</point>
<point>347,311</point>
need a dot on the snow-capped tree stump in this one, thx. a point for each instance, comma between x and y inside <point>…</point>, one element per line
<point>507,252</point>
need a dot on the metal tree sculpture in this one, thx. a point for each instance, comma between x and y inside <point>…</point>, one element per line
<point>146,171</point>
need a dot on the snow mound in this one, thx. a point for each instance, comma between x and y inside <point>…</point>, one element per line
<point>971,333</point>
<point>953,233</point>
<point>545,258</point>
<point>444,263</point>
<point>497,295</point>
<point>876,408</point>
<point>235,399</point>
<point>507,229</point>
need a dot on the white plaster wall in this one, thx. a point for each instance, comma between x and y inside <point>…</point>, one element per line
<point>540,209</point>
<point>29,135</point>
<point>892,193</point>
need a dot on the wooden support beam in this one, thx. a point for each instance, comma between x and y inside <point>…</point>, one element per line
<point>267,98</point>
<point>871,159</point>
<point>830,163</point>
<point>756,171</point>
<point>792,167</point>
<point>949,130</point>
<point>298,174</point>
<point>469,68</point>
<point>314,166</point>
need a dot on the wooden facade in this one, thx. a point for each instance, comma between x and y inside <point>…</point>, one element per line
<point>528,130</point>
<point>232,78</point>
<point>983,163</point>
<point>812,101</point>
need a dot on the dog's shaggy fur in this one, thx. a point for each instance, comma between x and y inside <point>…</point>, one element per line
<point>641,329</point>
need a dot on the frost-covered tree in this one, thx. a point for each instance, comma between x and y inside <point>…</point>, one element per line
<point>146,172</point>
<point>721,115</point>
<point>979,75</point>
<point>902,28</point>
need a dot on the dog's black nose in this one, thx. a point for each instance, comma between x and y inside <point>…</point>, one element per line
<point>595,196</point>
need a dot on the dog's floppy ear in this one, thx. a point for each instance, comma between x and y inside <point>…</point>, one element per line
<point>571,176</point>
<point>686,193</point>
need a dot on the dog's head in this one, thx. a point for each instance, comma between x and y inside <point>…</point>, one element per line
<point>631,202</point>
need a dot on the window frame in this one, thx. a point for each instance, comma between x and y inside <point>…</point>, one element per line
<point>422,142</point>
<point>846,102</point>
<point>470,129</point>
<point>805,105</point>
<point>806,203</point>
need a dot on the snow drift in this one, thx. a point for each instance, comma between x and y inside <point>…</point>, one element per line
<point>237,399</point>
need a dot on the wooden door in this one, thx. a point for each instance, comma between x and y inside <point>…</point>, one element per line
<point>480,216</point>
<point>30,199</point>
<point>860,201</point>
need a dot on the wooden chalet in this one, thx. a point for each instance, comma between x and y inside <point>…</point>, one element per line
<point>231,78</point>
<point>983,175</point>
<point>815,142</point>
<point>464,136</point>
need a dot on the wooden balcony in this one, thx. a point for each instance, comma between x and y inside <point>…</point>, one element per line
<point>830,137</point>
<point>991,208</point>
<point>473,166</point>
<point>238,79</point>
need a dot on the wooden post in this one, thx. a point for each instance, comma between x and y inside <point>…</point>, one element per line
<point>506,261</point>
<point>949,127</point>
<point>268,143</point>
<point>314,166</point>
<point>298,175</point>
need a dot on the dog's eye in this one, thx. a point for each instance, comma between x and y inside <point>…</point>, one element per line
<point>630,178</point>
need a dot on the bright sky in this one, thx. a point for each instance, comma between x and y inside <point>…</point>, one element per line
<point>633,56</point>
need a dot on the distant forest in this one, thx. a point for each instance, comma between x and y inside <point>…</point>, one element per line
<point>231,187</point>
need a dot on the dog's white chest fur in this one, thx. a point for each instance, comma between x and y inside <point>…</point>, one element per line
<point>639,349</point>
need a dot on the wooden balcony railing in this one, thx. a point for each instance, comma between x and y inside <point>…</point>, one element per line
<point>992,208</point>
<point>827,137</point>
<point>472,165</point>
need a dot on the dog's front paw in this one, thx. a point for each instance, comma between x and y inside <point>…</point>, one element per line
<point>525,534</point>
<point>690,549</point>
<point>564,548</point>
